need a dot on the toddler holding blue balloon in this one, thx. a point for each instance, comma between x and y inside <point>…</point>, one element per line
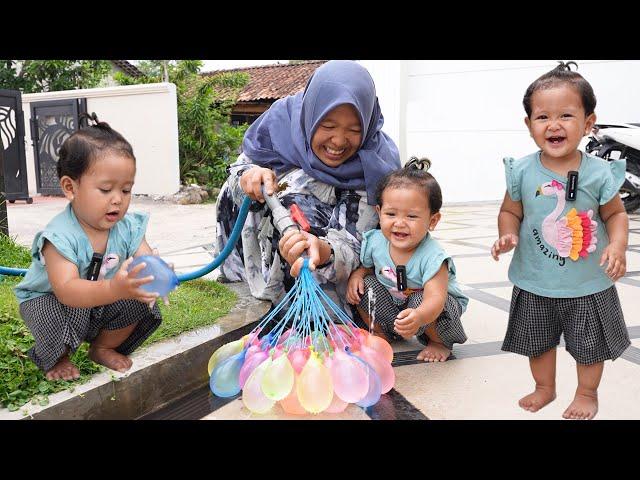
<point>79,286</point>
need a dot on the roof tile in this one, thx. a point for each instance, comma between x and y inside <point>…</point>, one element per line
<point>271,82</point>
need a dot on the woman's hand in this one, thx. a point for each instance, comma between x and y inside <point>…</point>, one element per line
<point>252,180</point>
<point>125,285</point>
<point>355,286</point>
<point>293,244</point>
<point>615,256</point>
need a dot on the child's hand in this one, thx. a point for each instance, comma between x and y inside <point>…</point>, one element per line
<point>408,322</point>
<point>504,244</point>
<point>355,286</point>
<point>165,299</point>
<point>124,284</point>
<point>615,255</point>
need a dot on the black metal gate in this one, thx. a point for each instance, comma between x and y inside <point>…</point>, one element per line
<point>12,144</point>
<point>52,122</point>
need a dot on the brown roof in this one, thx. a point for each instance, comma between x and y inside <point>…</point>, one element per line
<point>128,68</point>
<point>271,82</point>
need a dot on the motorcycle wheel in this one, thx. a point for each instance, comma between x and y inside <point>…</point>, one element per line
<point>630,200</point>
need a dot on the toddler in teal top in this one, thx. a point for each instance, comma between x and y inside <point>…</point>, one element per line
<point>59,304</point>
<point>570,236</point>
<point>408,204</point>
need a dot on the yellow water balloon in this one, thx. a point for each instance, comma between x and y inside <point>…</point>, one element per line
<point>277,381</point>
<point>224,352</point>
<point>315,387</point>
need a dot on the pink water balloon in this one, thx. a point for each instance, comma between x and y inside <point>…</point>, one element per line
<point>250,365</point>
<point>350,380</point>
<point>380,365</point>
<point>381,346</point>
<point>298,358</point>
<point>374,392</point>
<point>283,338</point>
<point>252,350</point>
<point>252,396</point>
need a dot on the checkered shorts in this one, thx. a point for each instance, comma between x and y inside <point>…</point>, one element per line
<point>593,325</point>
<point>55,326</point>
<point>448,324</point>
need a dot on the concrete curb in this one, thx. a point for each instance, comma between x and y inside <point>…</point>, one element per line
<point>161,373</point>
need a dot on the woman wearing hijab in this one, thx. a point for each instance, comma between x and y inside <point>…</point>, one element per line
<point>325,150</point>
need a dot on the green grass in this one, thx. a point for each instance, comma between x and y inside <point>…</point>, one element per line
<point>194,304</point>
<point>13,255</point>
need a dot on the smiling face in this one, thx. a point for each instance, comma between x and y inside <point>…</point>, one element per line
<point>405,217</point>
<point>101,196</point>
<point>558,122</point>
<point>338,136</point>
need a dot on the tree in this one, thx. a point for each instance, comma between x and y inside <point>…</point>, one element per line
<point>207,141</point>
<point>32,76</point>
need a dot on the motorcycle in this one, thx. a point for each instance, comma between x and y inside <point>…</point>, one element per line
<point>615,141</point>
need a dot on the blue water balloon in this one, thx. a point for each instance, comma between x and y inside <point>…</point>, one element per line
<point>165,280</point>
<point>224,381</point>
<point>375,385</point>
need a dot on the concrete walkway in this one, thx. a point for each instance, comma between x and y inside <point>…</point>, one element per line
<point>482,382</point>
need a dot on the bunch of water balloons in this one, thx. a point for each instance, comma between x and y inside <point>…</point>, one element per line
<point>321,363</point>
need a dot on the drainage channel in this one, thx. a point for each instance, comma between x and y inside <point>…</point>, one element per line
<point>201,402</point>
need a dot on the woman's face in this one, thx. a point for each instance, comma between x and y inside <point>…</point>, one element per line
<point>338,136</point>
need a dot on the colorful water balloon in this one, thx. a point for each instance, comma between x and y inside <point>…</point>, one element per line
<point>291,404</point>
<point>350,380</point>
<point>250,364</point>
<point>224,378</point>
<point>252,396</point>
<point>375,387</point>
<point>224,352</point>
<point>277,381</point>
<point>380,365</point>
<point>315,387</point>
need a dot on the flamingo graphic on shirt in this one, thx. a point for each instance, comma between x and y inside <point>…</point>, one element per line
<point>573,235</point>
<point>390,274</point>
<point>109,262</point>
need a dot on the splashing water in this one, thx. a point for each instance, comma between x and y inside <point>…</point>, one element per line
<point>372,308</point>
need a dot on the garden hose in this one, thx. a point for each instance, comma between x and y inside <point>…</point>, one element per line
<point>215,263</point>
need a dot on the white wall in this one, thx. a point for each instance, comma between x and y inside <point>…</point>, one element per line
<point>390,77</point>
<point>146,115</point>
<point>466,115</point>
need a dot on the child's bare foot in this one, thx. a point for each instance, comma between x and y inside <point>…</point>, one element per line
<point>110,358</point>
<point>583,407</point>
<point>538,399</point>
<point>434,352</point>
<point>63,370</point>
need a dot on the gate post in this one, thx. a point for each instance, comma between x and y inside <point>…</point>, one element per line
<point>4,222</point>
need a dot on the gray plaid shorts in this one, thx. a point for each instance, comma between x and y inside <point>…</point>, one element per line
<point>593,325</point>
<point>448,323</point>
<point>55,326</point>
